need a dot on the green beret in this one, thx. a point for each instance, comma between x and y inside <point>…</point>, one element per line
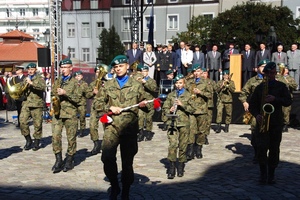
<point>77,73</point>
<point>145,68</point>
<point>204,69</point>
<point>169,72</point>
<point>65,62</point>
<point>269,66</point>
<point>262,62</point>
<point>118,60</point>
<point>196,66</point>
<point>31,65</point>
<point>189,70</point>
<point>178,77</point>
<point>225,72</point>
<point>139,67</point>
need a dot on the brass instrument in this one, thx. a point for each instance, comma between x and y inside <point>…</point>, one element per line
<point>189,76</point>
<point>103,70</point>
<point>192,91</point>
<point>227,83</point>
<point>266,108</point>
<point>281,68</point>
<point>173,116</point>
<point>56,100</point>
<point>247,117</point>
<point>134,65</point>
<point>17,91</point>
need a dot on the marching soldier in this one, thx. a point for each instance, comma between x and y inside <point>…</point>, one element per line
<point>164,61</point>
<point>32,106</point>
<point>66,89</point>
<point>178,102</point>
<point>224,88</point>
<point>118,93</point>
<point>170,76</point>
<point>200,94</point>
<point>145,114</point>
<point>81,108</point>
<point>245,95</point>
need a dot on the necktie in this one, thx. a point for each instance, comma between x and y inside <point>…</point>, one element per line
<point>262,53</point>
<point>214,54</point>
<point>197,55</point>
<point>230,52</point>
<point>279,55</point>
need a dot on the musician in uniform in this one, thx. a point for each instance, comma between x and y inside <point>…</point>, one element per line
<point>170,76</point>
<point>32,106</point>
<point>81,106</point>
<point>69,94</point>
<point>269,132</point>
<point>178,102</point>
<point>145,114</point>
<point>198,120</point>
<point>224,88</point>
<point>118,93</point>
<point>244,97</point>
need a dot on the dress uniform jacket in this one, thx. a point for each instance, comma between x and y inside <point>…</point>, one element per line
<point>164,61</point>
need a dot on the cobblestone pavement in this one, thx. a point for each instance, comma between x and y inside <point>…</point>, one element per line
<point>225,172</point>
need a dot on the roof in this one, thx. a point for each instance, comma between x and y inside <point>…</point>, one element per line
<point>17,34</point>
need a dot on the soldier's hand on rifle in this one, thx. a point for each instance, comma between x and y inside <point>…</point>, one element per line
<point>115,110</point>
<point>246,106</point>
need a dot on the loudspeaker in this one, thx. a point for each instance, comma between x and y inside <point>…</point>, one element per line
<point>44,57</point>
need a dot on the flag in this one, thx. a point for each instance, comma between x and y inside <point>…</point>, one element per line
<point>151,28</point>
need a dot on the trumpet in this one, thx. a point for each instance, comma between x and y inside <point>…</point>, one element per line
<point>227,83</point>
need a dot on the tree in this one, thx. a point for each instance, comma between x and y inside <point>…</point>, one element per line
<point>198,31</point>
<point>110,45</point>
<point>240,24</point>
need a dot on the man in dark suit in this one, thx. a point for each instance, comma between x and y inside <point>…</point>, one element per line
<point>198,57</point>
<point>164,61</point>
<point>214,63</point>
<point>247,63</point>
<point>279,56</point>
<point>226,55</point>
<point>262,54</point>
<point>170,50</point>
<point>134,54</point>
<point>178,56</point>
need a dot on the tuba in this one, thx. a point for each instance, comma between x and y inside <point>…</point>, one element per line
<point>17,91</point>
<point>103,70</point>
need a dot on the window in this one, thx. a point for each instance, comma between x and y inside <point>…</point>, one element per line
<point>47,11</point>
<point>149,1</point>
<point>86,54</point>
<point>147,23</point>
<point>9,30</point>
<point>23,30</point>
<point>172,22</point>
<point>76,5</point>
<point>36,30</point>
<point>126,2</point>
<point>94,4</point>
<point>100,26</point>
<point>72,52</point>
<point>208,16</point>
<point>173,1</point>
<point>126,23</point>
<point>85,29</point>
<point>35,11</point>
<point>127,45</point>
<point>71,29</point>
<point>22,11</point>
<point>297,12</point>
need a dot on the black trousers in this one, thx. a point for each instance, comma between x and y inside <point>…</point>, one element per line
<point>184,69</point>
<point>10,103</point>
<point>246,75</point>
<point>19,107</point>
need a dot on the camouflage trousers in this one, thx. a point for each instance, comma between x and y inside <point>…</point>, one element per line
<point>286,114</point>
<point>178,139</point>
<point>71,125</point>
<point>228,111</point>
<point>209,120</point>
<point>198,128</point>
<point>37,117</point>
<point>82,112</point>
<point>145,118</point>
<point>94,124</point>
<point>128,149</point>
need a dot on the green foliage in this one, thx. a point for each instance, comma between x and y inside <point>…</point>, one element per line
<point>240,24</point>
<point>198,31</point>
<point>110,45</point>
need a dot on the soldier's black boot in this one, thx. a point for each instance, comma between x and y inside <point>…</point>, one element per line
<point>57,167</point>
<point>285,128</point>
<point>125,192</point>
<point>180,169</point>
<point>165,126</point>
<point>171,171</point>
<point>114,190</point>
<point>190,152</point>
<point>271,172</point>
<point>69,163</point>
<point>140,136</point>
<point>263,174</point>
<point>218,128</point>
<point>199,151</point>
<point>226,128</point>
<point>148,136</point>
<point>28,142</point>
<point>81,133</point>
<point>96,148</point>
<point>36,145</point>
<point>206,140</point>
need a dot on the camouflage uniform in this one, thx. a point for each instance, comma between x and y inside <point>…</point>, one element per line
<point>123,130</point>
<point>82,104</point>
<point>32,105</point>
<point>179,137</point>
<point>67,116</point>
<point>224,99</point>
<point>210,103</point>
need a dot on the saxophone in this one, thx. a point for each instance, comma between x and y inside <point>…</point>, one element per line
<point>266,108</point>
<point>55,99</point>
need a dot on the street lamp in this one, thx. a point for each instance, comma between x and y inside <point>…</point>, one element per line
<point>47,36</point>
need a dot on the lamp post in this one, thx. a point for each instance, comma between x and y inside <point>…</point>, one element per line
<point>47,36</point>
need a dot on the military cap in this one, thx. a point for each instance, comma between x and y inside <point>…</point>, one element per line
<point>19,67</point>
<point>158,45</point>
<point>145,68</point>
<point>262,62</point>
<point>141,43</point>
<point>118,60</point>
<point>31,65</point>
<point>169,72</point>
<point>204,69</point>
<point>196,66</point>
<point>139,67</point>
<point>178,77</point>
<point>269,66</point>
<point>164,46</point>
<point>65,62</point>
<point>77,73</point>
<point>189,70</point>
<point>225,72</point>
